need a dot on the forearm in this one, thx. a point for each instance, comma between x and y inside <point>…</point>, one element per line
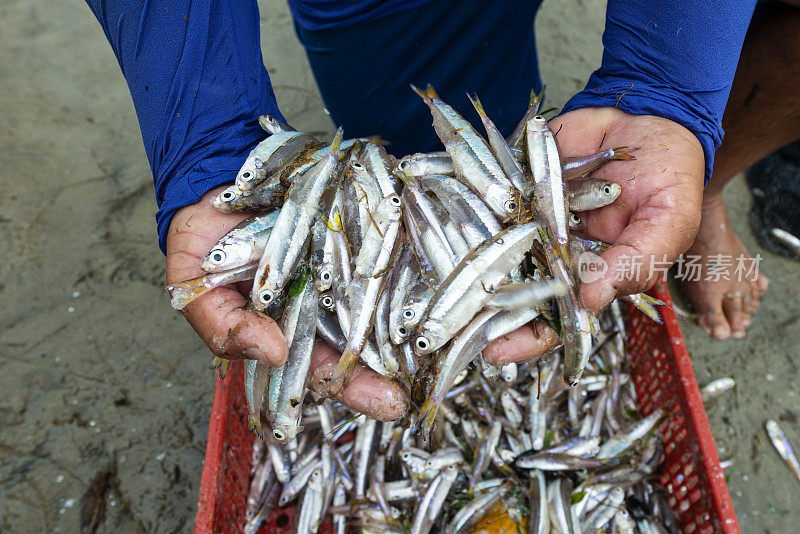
<point>671,58</point>
<point>198,84</point>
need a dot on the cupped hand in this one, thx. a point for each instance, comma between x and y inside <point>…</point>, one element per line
<point>653,221</point>
<point>232,330</point>
<point>656,217</point>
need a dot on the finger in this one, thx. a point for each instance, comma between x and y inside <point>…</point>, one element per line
<point>233,332</point>
<point>660,229</point>
<point>732,306</point>
<point>522,344</point>
<point>367,392</point>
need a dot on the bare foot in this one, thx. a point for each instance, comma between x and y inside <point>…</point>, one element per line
<point>725,300</point>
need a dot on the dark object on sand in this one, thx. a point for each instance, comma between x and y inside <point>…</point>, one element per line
<point>93,502</point>
<point>775,184</point>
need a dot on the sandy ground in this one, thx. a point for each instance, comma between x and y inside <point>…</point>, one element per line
<point>100,374</point>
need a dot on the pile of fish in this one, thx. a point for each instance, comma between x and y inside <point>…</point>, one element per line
<point>531,451</point>
<point>412,267</point>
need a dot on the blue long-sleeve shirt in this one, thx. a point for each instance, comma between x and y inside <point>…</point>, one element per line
<point>198,82</point>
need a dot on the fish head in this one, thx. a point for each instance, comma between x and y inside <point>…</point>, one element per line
<point>327,302</point>
<point>265,295</point>
<point>432,335</point>
<point>398,333</point>
<point>323,278</point>
<point>285,431</point>
<point>226,256</point>
<point>610,190</point>
<point>251,171</point>
<point>225,200</point>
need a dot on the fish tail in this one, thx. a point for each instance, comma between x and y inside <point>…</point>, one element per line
<point>427,414</point>
<point>336,144</point>
<point>562,249</point>
<point>346,366</point>
<point>622,153</point>
<point>221,365</point>
<point>476,103</point>
<point>422,94</point>
<point>263,122</point>
<point>377,140</point>
<point>537,99</point>
<point>254,425</point>
<point>333,224</point>
<point>431,92</point>
<point>185,292</point>
<point>646,304</point>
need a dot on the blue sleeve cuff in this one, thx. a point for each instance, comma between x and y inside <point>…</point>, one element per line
<point>638,98</point>
<point>185,189</point>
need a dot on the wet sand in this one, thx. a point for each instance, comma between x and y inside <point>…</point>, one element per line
<point>100,374</point>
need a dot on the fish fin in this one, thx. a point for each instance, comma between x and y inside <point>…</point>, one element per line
<point>336,143</point>
<point>476,103</point>
<point>647,307</point>
<point>345,367</point>
<point>420,92</point>
<point>377,140</point>
<point>221,365</point>
<point>431,92</point>
<point>623,153</point>
<point>427,415</point>
<point>562,249</point>
<point>254,425</point>
<point>335,224</point>
<point>182,293</point>
<point>537,99</point>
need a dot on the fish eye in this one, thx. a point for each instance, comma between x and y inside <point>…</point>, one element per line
<point>395,200</point>
<point>402,330</point>
<point>327,302</point>
<point>246,174</point>
<point>510,205</point>
<point>404,164</point>
<point>539,118</point>
<point>408,313</point>
<point>278,435</point>
<point>607,189</point>
<point>227,195</point>
<point>574,218</point>
<point>357,165</point>
<point>218,256</point>
<point>422,343</point>
<point>267,296</point>
<point>325,276</point>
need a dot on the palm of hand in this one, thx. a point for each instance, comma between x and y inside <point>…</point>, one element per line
<point>658,212</point>
<point>232,331</point>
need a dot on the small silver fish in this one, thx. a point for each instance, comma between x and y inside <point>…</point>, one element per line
<point>783,446</point>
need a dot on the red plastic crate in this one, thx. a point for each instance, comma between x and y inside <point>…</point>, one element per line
<point>662,374</point>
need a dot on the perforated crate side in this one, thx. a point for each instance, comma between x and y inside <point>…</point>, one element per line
<point>663,375</point>
<point>226,471</point>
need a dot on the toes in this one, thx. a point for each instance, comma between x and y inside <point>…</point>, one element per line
<point>732,306</point>
<point>750,303</point>
<point>760,285</point>
<point>714,322</point>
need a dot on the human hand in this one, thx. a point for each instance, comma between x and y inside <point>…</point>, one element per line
<point>225,323</point>
<point>656,217</point>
